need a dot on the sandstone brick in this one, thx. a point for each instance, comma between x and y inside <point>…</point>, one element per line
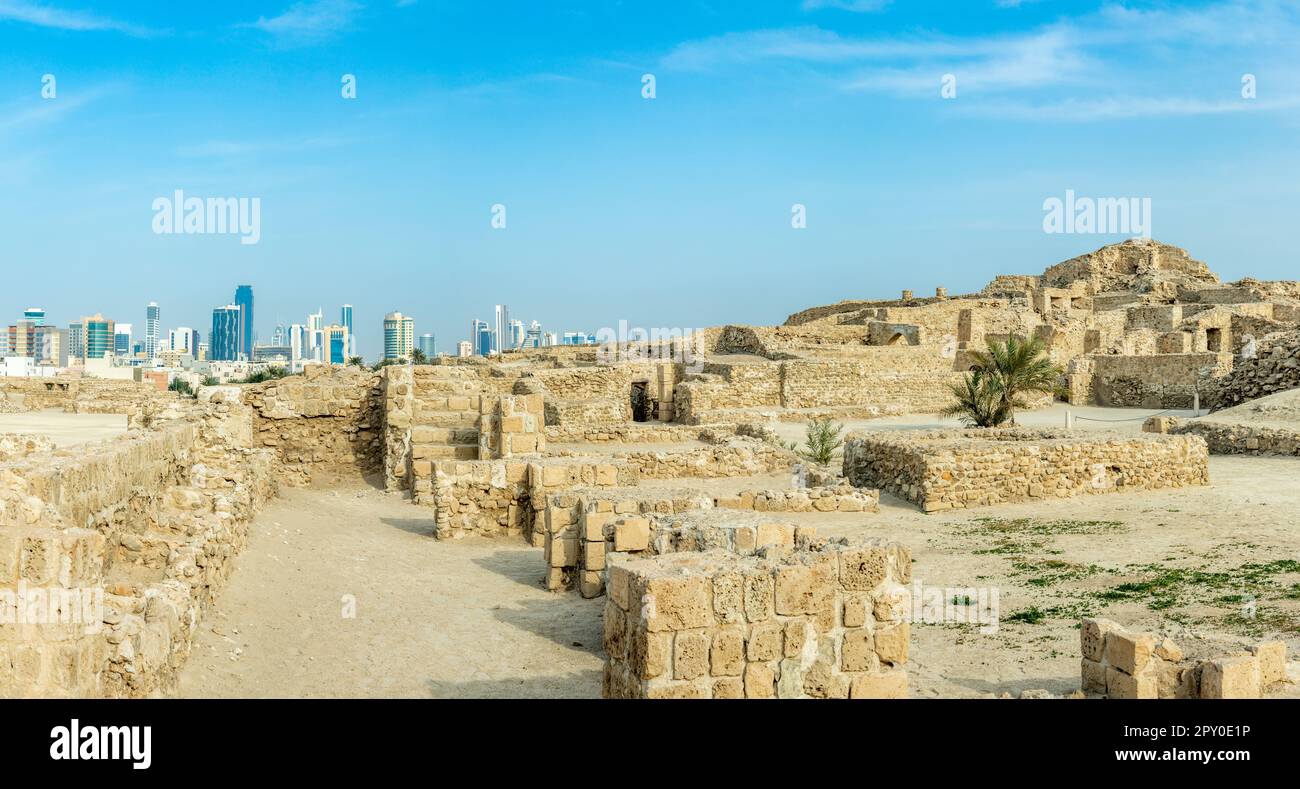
<point>855,611</point>
<point>678,603</point>
<point>1092,637</point>
<point>760,681</point>
<point>729,688</point>
<point>632,534</point>
<point>690,655</point>
<point>892,643</point>
<point>857,652</point>
<point>1120,685</point>
<point>1129,652</point>
<point>883,685</point>
<point>765,642</point>
<point>1272,662</point>
<point>727,656</point>
<point>1231,678</point>
<point>1093,676</point>
<point>863,569</point>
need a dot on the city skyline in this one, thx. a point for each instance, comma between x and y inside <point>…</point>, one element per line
<point>639,209</point>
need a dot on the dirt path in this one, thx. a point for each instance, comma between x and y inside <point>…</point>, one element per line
<point>460,619</point>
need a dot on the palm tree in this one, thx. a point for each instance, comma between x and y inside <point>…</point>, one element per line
<point>418,357</point>
<point>979,401</point>
<point>992,392</point>
<point>823,440</point>
<point>356,361</point>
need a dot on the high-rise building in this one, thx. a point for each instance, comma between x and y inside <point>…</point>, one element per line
<point>399,336</point>
<point>315,323</point>
<point>464,348</point>
<point>49,346</point>
<point>428,345</point>
<point>297,341</point>
<point>244,300</point>
<point>335,344</point>
<point>476,329</point>
<point>34,314</point>
<point>223,342</point>
<point>516,338</point>
<point>101,336</point>
<point>77,341</point>
<point>501,329</point>
<point>534,337</point>
<point>182,340</point>
<point>121,341</point>
<point>22,339</point>
<point>345,319</point>
<point>152,335</point>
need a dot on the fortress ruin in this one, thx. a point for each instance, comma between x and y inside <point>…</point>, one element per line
<point>666,485</point>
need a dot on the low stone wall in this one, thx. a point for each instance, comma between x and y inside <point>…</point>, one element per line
<point>840,498</point>
<point>134,537</point>
<point>947,469</point>
<point>505,497</point>
<point>325,420</point>
<point>1228,438</point>
<point>823,620</point>
<point>1167,380</point>
<point>1119,664</point>
<point>739,457</point>
<point>142,403</point>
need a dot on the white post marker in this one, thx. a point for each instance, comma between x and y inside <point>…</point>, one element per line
<point>1196,402</point>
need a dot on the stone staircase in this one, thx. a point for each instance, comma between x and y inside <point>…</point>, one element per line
<point>445,427</point>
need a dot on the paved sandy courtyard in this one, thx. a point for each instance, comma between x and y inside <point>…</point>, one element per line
<point>64,429</point>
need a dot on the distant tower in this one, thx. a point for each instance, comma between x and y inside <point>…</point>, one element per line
<point>244,300</point>
<point>152,314</point>
<point>399,335</point>
<point>345,319</point>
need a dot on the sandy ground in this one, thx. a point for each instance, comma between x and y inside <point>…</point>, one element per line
<point>64,429</point>
<point>458,619</point>
<point>1216,567</point>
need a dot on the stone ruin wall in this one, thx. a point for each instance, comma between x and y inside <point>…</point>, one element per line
<point>820,620</point>
<point>955,469</point>
<point>1120,664</point>
<point>145,525</point>
<point>141,403</point>
<point>326,421</point>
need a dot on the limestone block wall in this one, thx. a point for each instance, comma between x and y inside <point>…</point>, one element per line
<point>839,498</point>
<point>19,445</point>
<point>954,469</point>
<point>824,620</point>
<point>510,425</point>
<point>325,420</point>
<point>1156,380</point>
<point>504,497</point>
<point>134,536</point>
<point>1119,664</point>
<point>739,457</point>
<point>140,402</point>
<point>580,523</point>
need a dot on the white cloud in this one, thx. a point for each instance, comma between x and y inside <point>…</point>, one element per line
<point>1117,62</point>
<point>310,21</point>
<point>49,16</point>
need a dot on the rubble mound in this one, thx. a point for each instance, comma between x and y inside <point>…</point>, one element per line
<point>1140,265</point>
<point>1274,368</point>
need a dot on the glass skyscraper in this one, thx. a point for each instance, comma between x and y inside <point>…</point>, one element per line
<point>152,314</point>
<point>223,343</point>
<point>428,345</point>
<point>244,301</point>
<point>101,336</point>
<point>345,319</point>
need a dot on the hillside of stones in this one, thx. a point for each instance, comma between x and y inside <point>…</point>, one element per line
<point>1274,368</point>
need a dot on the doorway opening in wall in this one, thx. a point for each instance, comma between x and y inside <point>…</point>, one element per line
<point>640,398</point>
<point>897,339</point>
<point>1214,340</point>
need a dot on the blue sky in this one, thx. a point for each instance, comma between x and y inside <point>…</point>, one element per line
<point>666,212</point>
